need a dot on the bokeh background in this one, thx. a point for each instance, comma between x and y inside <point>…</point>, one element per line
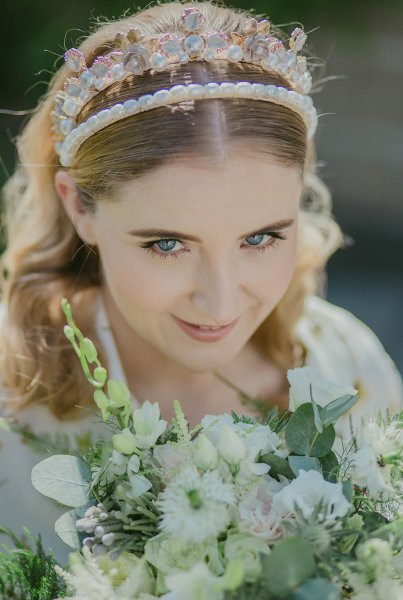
<point>359,138</point>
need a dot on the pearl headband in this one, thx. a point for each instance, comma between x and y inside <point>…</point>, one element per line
<point>134,55</point>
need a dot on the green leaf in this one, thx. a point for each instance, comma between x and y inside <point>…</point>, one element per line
<point>307,463</point>
<point>330,466</point>
<point>278,466</point>
<point>347,489</point>
<point>316,411</point>
<point>63,478</point>
<point>302,436</point>
<point>290,564</point>
<point>65,528</point>
<point>319,589</point>
<point>373,520</point>
<point>335,409</point>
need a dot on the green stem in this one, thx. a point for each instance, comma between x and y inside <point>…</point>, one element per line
<point>312,444</point>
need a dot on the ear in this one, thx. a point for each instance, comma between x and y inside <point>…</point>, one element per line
<point>82,220</point>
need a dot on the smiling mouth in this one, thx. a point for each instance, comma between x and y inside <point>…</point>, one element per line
<point>205,333</point>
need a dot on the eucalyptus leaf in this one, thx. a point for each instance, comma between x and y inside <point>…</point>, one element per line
<point>63,478</point>
<point>290,564</point>
<point>65,528</point>
<point>347,489</point>
<point>302,436</point>
<point>278,466</point>
<point>318,589</point>
<point>335,409</point>
<point>316,412</point>
<point>307,463</point>
<point>330,466</point>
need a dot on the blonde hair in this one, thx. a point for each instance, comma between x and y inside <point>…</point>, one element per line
<point>46,260</point>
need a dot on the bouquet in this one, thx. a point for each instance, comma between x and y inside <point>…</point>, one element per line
<point>235,508</point>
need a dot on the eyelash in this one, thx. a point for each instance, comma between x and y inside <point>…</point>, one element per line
<point>260,248</point>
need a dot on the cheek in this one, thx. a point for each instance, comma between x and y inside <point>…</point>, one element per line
<point>273,274</point>
<point>137,280</point>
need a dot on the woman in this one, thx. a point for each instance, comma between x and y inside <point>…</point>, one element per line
<point>191,236</point>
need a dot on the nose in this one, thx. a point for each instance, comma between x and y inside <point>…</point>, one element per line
<point>217,292</point>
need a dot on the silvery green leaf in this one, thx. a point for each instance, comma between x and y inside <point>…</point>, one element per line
<point>65,528</point>
<point>302,436</point>
<point>318,588</point>
<point>332,411</point>
<point>307,463</point>
<point>347,489</point>
<point>278,466</point>
<point>316,412</point>
<point>290,563</point>
<point>63,478</point>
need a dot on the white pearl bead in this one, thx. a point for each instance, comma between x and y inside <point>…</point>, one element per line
<point>161,96</point>
<point>258,89</point>
<point>177,91</point>
<point>145,101</point>
<point>227,89</point>
<point>271,90</point>
<point>195,90</point>
<point>211,88</point>
<point>71,107</point>
<point>116,110</point>
<point>130,105</point>
<point>244,87</point>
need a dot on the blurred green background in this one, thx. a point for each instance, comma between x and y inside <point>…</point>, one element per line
<point>359,138</point>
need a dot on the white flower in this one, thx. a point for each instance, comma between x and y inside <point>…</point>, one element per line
<point>196,584</point>
<point>100,578</point>
<point>231,447</point>
<point>306,492</point>
<point>147,424</point>
<point>256,437</point>
<point>194,506</point>
<point>369,470</point>
<point>323,390</point>
<point>169,555</point>
<point>170,457</point>
<point>254,513</point>
<point>205,455</point>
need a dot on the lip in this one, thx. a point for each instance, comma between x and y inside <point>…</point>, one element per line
<point>205,335</point>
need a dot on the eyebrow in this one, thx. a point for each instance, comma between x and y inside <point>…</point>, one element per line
<point>163,233</point>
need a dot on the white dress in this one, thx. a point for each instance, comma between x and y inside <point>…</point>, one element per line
<point>340,346</point>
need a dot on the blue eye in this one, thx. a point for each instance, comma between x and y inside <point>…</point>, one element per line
<point>169,245</point>
<point>257,236</point>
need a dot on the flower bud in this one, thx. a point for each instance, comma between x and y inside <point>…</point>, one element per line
<point>231,447</point>
<point>205,455</point>
<point>125,442</point>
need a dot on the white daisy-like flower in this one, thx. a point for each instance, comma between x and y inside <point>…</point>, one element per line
<point>195,506</point>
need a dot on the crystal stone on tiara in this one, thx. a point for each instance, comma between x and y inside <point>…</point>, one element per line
<point>132,55</point>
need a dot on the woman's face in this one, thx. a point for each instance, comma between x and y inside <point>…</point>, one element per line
<point>205,244</point>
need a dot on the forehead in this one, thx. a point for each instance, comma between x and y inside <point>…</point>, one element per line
<point>199,191</point>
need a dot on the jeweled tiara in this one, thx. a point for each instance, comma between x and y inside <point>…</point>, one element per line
<point>133,55</point>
